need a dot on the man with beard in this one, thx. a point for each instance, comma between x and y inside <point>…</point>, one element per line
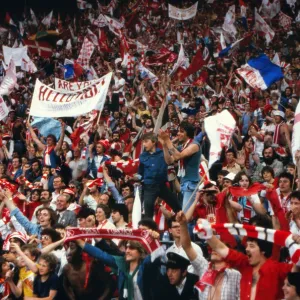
<point>45,200</point>
<point>217,279</point>
<point>262,277</point>
<point>269,159</point>
<point>84,278</point>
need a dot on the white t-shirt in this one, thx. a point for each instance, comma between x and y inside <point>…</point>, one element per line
<point>119,83</point>
<point>90,202</point>
<point>181,252</point>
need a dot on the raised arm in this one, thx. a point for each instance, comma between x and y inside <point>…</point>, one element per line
<point>40,145</point>
<point>61,138</point>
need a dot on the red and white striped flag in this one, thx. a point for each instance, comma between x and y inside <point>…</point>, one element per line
<point>285,21</point>
<point>129,167</point>
<point>85,53</point>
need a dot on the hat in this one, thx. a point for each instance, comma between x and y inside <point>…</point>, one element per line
<point>18,235</point>
<point>229,176</point>
<point>6,136</point>
<point>69,191</point>
<point>104,143</point>
<point>208,186</point>
<point>118,60</point>
<point>294,279</point>
<point>176,261</point>
<point>279,113</point>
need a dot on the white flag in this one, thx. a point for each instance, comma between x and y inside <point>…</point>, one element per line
<point>9,81</point>
<point>219,129</point>
<point>33,18</point>
<point>69,45</point>
<point>262,26</point>
<point>276,60</point>
<point>21,27</point>
<point>47,20</point>
<point>296,132</point>
<point>228,24</point>
<point>136,210</point>
<point>28,65</point>
<point>182,61</point>
<point>92,37</point>
<point>3,109</point>
<point>14,54</point>
<point>268,9</point>
<point>222,41</point>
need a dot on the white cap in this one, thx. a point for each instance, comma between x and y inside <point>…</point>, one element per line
<point>229,176</point>
<point>279,113</point>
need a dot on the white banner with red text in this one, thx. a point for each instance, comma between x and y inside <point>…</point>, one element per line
<point>183,13</point>
<point>48,102</point>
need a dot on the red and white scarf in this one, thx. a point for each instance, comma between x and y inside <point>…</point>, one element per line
<point>277,237</point>
<point>142,236</point>
<point>277,133</point>
<point>181,166</point>
<point>47,160</point>
<point>159,217</point>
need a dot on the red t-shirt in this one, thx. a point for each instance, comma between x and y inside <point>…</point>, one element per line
<point>271,276</point>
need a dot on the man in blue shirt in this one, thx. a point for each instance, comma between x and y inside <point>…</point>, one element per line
<point>154,172</point>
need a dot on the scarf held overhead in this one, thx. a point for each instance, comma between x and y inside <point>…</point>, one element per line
<point>142,236</point>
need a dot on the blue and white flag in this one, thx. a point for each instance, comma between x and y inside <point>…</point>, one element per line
<point>68,72</point>
<point>243,42</point>
<point>47,126</point>
<point>260,72</point>
<point>147,74</point>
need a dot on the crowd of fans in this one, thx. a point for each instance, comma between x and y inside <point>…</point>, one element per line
<point>49,185</point>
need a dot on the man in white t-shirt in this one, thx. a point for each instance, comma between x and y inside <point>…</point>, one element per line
<point>174,229</point>
<point>117,89</point>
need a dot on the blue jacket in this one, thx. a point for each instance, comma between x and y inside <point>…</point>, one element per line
<point>153,168</point>
<point>118,264</point>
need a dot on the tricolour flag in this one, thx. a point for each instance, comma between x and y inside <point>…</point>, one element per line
<point>260,72</point>
<point>243,42</point>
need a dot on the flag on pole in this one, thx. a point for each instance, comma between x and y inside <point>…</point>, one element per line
<point>9,81</point>
<point>261,26</point>
<point>260,72</point>
<point>47,20</point>
<point>92,37</point>
<point>296,133</point>
<point>229,21</point>
<point>145,73</point>
<point>270,9</point>
<point>136,210</point>
<point>27,65</point>
<point>85,53</point>
<point>9,20</point>
<point>285,21</point>
<point>182,61</point>
<point>33,18</point>
<point>243,42</point>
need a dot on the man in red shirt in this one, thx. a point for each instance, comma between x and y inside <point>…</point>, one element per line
<point>262,277</point>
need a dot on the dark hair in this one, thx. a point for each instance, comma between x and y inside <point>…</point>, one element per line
<point>51,260</point>
<point>32,249</point>
<point>2,262</point>
<point>223,173</point>
<point>147,222</point>
<point>264,246</point>
<point>231,150</point>
<point>171,220</point>
<point>294,280</point>
<point>52,137</point>
<point>105,208</point>
<point>124,185</point>
<point>239,175</point>
<point>261,221</point>
<point>269,170</point>
<point>188,128</point>
<point>150,136</point>
<point>122,209</point>
<point>85,212</point>
<point>53,215</point>
<point>54,235</point>
<point>295,194</point>
<point>59,226</point>
<point>287,175</point>
<point>291,165</point>
<point>267,147</point>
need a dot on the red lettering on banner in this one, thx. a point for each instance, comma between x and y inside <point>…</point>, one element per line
<point>71,86</point>
<point>79,84</point>
<point>54,99</point>
<point>42,92</point>
<point>62,98</point>
<point>69,98</point>
<point>66,85</point>
<point>48,96</point>
<point>60,86</point>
